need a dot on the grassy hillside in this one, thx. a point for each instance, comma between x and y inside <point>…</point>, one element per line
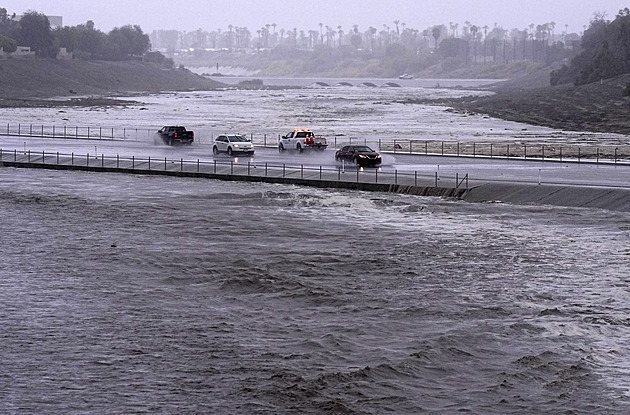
<point>40,78</point>
<point>599,106</point>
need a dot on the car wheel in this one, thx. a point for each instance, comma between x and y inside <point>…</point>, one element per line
<point>299,148</point>
<point>229,151</point>
<point>215,150</point>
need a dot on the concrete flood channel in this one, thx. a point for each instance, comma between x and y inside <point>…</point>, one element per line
<point>602,197</point>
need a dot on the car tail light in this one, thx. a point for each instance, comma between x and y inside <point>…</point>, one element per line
<point>192,135</point>
<point>306,141</point>
<point>175,135</point>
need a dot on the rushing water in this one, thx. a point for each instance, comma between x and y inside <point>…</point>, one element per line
<point>128,294</point>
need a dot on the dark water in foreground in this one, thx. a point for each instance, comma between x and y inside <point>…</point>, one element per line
<point>248,298</point>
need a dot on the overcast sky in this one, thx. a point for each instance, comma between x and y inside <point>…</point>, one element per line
<point>189,15</point>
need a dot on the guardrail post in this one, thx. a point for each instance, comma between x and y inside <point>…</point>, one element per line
<point>29,156</point>
<point>410,145</point>
<point>301,171</point>
<point>112,133</point>
<point>508,151</point>
<point>338,174</point>
<point>394,145</point>
<point>395,176</point>
<point>100,133</point>
<point>426,147</point>
<point>436,179</point>
<point>88,133</point>
<point>415,178</point>
<point>560,153</point>
<point>265,169</point>
<point>215,167</point>
<point>442,147</point>
<point>283,169</point>
<point>57,158</point>
<point>597,155</point>
<point>579,154</point>
<point>117,161</point>
<point>14,155</point>
<point>474,150</point>
<point>231,168</point>
<point>43,157</point>
<point>149,162</point>
<point>615,155</point>
<point>87,160</point>
<point>457,180</point>
<point>543,151</point>
<point>358,170</point>
<point>164,163</point>
<point>30,131</point>
<point>76,132</point>
<point>133,162</point>
<point>265,140</point>
<point>102,160</point>
<point>320,171</point>
<point>490,150</point>
<point>181,164</point>
<point>248,166</point>
<point>458,149</point>
<point>53,133</point>
<point>198,165</point>
<point>525,150</point>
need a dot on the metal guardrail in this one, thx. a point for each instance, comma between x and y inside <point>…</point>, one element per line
<point>351,174</point>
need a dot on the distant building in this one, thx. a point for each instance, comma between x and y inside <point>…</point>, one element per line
<point>20,52</point>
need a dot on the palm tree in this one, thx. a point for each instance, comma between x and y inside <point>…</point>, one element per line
<point>474,29</point>
<point>436,32</point>
<point>397,22</point>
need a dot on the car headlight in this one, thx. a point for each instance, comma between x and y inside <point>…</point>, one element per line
<point>362,155</point>
<point>236,145</point>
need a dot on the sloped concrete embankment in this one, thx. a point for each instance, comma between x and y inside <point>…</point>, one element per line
<point>617,199</point>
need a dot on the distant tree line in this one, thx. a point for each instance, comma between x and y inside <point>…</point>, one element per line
<point>410,49</point>
<point>606,52</point>
<point>84,41</point>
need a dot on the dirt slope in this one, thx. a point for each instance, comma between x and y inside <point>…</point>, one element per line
<point>38,78</point>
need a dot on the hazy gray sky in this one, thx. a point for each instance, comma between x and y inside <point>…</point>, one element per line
<point>190,15</point>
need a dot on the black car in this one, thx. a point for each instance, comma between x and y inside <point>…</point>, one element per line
<point>359,155</point>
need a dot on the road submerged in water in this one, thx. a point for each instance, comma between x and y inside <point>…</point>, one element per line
<point>130,294</point>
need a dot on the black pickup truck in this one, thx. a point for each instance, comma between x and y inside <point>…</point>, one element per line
<point>172,135</point>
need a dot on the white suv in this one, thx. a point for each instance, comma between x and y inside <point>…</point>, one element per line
<point>232,144</point>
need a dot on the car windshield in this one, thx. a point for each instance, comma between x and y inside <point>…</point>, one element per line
<point>363,149</point>
<point>237,139</point>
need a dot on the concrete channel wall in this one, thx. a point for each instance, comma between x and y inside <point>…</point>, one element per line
<point>617,199</point>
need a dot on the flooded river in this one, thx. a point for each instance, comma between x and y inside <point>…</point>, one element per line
<point>128,294</point>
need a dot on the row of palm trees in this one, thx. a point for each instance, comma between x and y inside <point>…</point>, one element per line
<point>270,36</point>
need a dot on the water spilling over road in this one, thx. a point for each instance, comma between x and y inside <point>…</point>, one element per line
<point>127,294</point>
